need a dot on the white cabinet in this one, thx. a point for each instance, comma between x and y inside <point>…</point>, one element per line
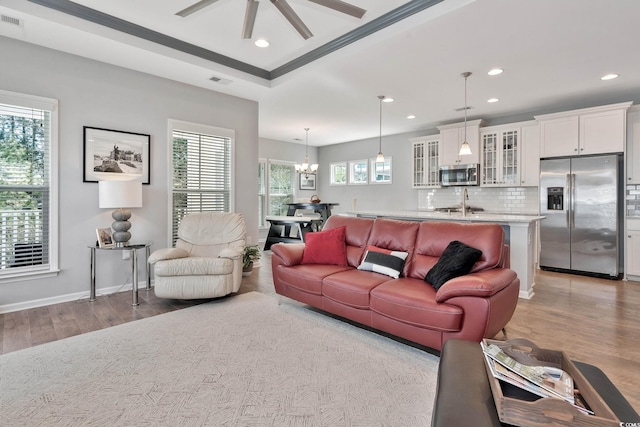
<point>452,137</point>
<point>559,137</point>
<point>632,258</point>
<point>633,146</point>
<point>425,162</point>
<point>500,157</point>
<point>530,155</point>
<point>594,130</point>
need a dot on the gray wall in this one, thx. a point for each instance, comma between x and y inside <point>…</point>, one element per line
<point>395,196</point>
<point>96,94</point>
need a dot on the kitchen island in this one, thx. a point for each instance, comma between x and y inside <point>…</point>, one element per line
<point>521,233</point>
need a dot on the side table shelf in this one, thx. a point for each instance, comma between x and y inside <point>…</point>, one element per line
<point>133,249</point>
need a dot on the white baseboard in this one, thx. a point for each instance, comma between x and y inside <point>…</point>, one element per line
<point>25,305</point>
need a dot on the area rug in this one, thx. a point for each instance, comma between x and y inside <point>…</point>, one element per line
<point>247,360</point>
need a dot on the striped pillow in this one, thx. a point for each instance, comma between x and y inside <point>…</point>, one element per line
<point>383,261</point>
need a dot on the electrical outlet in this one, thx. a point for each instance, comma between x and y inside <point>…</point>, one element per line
<point>126,254</point>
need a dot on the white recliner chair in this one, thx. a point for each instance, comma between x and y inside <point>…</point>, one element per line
<point>207,259</point>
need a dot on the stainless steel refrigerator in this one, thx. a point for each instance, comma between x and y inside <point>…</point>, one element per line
<point>581,200</point>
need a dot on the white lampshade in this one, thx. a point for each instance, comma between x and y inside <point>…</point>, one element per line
<point>120,194</point>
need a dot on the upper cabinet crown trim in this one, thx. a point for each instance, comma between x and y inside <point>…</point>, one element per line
<point>621,105</point>
<point>470,123</point>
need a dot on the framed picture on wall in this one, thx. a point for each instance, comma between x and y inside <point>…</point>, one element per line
<point>307,181</point>
<point>114,154</point>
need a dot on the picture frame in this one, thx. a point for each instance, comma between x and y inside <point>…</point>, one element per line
<point>307,181</point>
<point>105,238</point>
<point>115,155</point>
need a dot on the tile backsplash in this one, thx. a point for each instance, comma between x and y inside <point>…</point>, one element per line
<point>633,200</point>
<point>514,200</point>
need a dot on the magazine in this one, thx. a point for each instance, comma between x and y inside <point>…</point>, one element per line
<point>552,380</point>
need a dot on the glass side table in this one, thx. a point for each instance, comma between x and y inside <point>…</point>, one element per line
<point>133,249</point>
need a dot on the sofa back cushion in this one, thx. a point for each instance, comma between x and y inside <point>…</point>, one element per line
<point>434,237</point>
<point>356,235</point>
<point>395,235</point>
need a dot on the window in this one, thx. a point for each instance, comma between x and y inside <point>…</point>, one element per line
<point>338,173</point>
<point>28,186</point>
<point>358,172</point>
<point>381,171</point>
<point>276,186</point>
<point>202,159</point>
<point>281,186</point>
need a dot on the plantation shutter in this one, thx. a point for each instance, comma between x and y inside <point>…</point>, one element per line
<point>25,141</point>
<point>201,175</point>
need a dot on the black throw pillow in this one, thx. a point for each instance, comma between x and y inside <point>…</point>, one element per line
<point>456,260</point>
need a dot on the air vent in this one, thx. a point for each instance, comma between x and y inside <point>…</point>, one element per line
<point>11,20</point>
<point>220,80</point>
<point>463,108</point>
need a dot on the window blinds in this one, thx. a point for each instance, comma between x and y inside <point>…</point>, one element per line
<point>25,141</point>
<point>201,175</point>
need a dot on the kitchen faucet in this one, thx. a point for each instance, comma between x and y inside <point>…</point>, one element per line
<point>465,197</point>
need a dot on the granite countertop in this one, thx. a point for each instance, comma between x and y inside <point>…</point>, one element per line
<point>453,216</point>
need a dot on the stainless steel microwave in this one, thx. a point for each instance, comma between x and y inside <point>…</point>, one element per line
<point>468,174</point>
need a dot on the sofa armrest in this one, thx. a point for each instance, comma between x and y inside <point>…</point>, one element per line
<point>289,253</point>
<point>480,284</point>
<point>231,253</point>
<point>167,253</point>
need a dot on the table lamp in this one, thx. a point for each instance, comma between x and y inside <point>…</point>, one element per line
<point>120,195</point>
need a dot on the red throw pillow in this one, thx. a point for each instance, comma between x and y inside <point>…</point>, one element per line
<point>325,247</point>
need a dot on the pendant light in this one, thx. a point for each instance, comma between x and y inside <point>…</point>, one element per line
<point>465,149</point>
<point>305,167</point>
<point>380,157</point>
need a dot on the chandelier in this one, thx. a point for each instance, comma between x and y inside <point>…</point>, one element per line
<point>305,167</point>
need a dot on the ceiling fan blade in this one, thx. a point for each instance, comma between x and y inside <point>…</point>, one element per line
<point>249,18</point>
<point>195,7</point>
<point>293,18</point>
<point>341,6</point>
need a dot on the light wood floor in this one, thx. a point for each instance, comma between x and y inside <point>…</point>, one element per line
<point>592,320</point>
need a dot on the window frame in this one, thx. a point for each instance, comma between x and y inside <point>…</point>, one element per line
<point>351,178</point>
<point>202,129</point>
<point>50,269</point>
<point>372,167</point>
<point>332,170</point>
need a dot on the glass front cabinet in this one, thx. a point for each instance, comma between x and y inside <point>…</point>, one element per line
<point>426,151</point>
<point>500,157</point>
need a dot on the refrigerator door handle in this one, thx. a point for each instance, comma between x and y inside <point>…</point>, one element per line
<point>567,203</point>
<point>573,201</point>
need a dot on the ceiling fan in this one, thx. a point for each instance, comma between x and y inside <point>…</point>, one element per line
<point>285,9</point>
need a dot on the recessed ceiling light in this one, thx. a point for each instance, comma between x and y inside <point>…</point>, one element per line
<point>387,100</point>
<point>411,116</point>
<point>495,71</point>
<point>493,100</point>
<point>261,43</point>
<point>609,77</point>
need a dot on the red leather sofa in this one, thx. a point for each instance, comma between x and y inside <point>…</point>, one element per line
<point>470,307</point>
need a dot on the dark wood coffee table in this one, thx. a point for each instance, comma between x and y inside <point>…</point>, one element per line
<point>463,394</point>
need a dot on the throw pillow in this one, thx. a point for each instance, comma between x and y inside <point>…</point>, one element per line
<point>383,261</point>
<point>325,247</point>
<point>456,260</point>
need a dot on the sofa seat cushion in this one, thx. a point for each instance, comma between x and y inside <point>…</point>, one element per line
<point>352,287</point>
<point>308,277</point>
<point>410,301</point>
